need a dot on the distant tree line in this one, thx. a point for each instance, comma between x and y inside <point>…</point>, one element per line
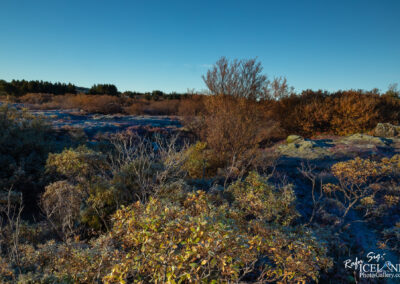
<point>102,89</point>
<point>156,95</point>
<point>22,87</point>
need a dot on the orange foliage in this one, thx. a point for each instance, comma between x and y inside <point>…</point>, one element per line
<point>341,113</point>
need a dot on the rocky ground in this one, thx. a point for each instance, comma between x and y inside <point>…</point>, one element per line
<point>75,121</point>
<point>320,154</point>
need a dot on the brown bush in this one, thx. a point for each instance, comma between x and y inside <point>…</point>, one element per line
<point>90,103</point>
<point>99,104</point>
<point>36,98</point>
<point>164,107</point>
<point>345,112</point>
<point>233,127</point>
<point>191,106</point>
<point>137,108</point>
<point>353,112</point>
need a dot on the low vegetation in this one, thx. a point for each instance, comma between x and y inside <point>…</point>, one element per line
<point>209,206</point>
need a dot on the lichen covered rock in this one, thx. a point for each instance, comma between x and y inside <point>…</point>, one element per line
<point>386,130</point>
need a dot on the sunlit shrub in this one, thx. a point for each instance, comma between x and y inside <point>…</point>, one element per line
<point>190,237</point>
<point>233,127</point>
<point>85,170</point>
<point>192,106</point>
<point>76,163</point>
<point>136,108</point>
<point>256,198</point>
<point>97,104</point>
<point>340,113</point>
<point>178,244</point>
<point>133,170</point>
<point>104,104</point>
<point>360,181</point>
<point>197,240</point>
<point>36,98</point>
<point>200,161</point>
<point>164,107</point>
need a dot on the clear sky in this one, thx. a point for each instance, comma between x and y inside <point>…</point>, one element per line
<point>167,45</point>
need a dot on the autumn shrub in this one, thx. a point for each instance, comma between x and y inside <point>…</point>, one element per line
<point>200,161</point>
<point>81,170</point>
<point>136,108</point>
<point>176,235</point>
<point>341,113</point>
<point>191,106</point>
<point>69,262</point>
<point>354,112</point>
<point>104,104</point>
<point>255,198</point>
<point>233,128</point>
<point>163,107</point>
<point>96,103</point>
<point>36,98</point>
<point>196,240</point>
<point>367,184</point>
<point>302,114</point>
<point>98,184</point>
<point>235,122</point>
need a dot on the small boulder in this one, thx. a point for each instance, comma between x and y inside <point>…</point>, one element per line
<point>297,146</point>
<point>363,139</point>
<point>386,130</point>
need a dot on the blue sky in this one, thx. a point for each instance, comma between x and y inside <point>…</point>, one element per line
<point>168,45</point>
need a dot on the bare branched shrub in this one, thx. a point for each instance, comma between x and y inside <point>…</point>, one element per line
<point>10,225</point>
<point>317,195</point>
<point>235,120</point>
<point>142,164</point>
<point>244,79</point>
<point>357,182</point>
<point>61,203</point>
